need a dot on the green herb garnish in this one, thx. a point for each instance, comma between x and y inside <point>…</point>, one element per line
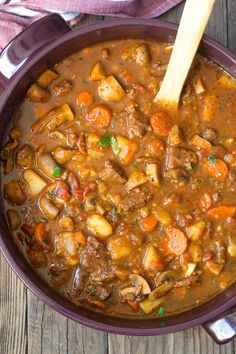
<point>57,171</point>
<point>115,213</point>
<point>199,181</point>
<point>212,158</point>
<point>105,141</point>
<point>114,145</point>
<point>53,193</point>
<point>160,312</point>
<point>93,290</point>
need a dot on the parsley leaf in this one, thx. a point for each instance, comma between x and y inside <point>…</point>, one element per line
<point>53,193</point>
<point>114,145</point>
<point>160,312</point>
<point>212,158</point>
<point>57,171</point>
<point>199,181</point>
<point>105,141</point>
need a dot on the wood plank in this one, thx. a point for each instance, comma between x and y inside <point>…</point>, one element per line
<point>217,27</point>
<point>13,312</point>
<point>84,340</point>
<point>47,330</point>
<point>231,29</point>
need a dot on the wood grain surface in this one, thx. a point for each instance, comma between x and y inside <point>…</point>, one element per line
<point>27,326</point>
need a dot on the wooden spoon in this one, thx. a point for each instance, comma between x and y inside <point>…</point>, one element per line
<point>192,25</point>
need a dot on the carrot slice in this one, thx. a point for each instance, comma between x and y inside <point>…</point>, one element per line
<point>84,99</point>
<point>205,202</point>
<point>177,242</point>
<point>100,116</point>
<point>134,305</point>
<point>149,223</point>
<point>156,147</point>
<point>222,212</point>
<point>40,235</point>
<point>80,237</point>
<point>217,169</point>
<point>161,123</point>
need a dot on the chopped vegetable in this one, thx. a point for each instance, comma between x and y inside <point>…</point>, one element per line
<point>62,88</point>
<point>36,183</point>
<point>214,267</point>
<point>152,174</point>
<point>110,90</point>
<point>210,106</point>
<point>62,155</point>
<point>97,72</point>
<point>149,223</point>
<point>152,261</point>
<point>176,242</point>
<point>49,210</point>
<point>99,225</point>
<point>79,236</point>
<point>114,145</point>
<point>222,212</point>
<point>13,192</point>
<point>163,217</point>
<point>47,77</point>
<point>212,158</point>
<point>13,219</point>
<point>161,123</point>
<point>161,311</point>
<point>67,223</point>
<point>46,164</point>
<point>195,231</point>
<point>175,136</point>
<point>57,171</point>
<point>105,141</point>
<point>148,305</point>
<point>138,280</point>
<point>136,178</point>
<point>53,119</point>
<point>157,147</point>
<point>127,149</point>
<point>37,94</point>
<point>198,86</point>
<point>100,116</point>
<point>215,168</point>
<point>84,99</point>
<point>119,247</point>
<point>201,143</point>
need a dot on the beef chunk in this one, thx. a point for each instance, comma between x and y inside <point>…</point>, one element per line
<point>137,198</point>
<point>137,123</point>
<point>25,156</point>
<point>112,174</point>
<point>177,174</point>
<point>179,158</point>
<point>79,279</point>
<point>98,290</point>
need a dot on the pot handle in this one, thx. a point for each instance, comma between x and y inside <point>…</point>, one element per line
<point>223,329</point>
<point>32,39</point>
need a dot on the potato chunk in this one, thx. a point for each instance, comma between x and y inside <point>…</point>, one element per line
<point>99,225</point>
<point>210,106</point>
<point>67,246</point>
<point>53,119</point>
<point>97,72</point>
<point>35,183</point>
<point>195,231</point>
<point>13,193</point>
<point>214,268</point>
<point>126,149</point>
<point>163,217</point>
<point>62,155</point>
<point>46,164</point>
<point>110,90</point>
<point>47,77</point>
<point>37,93</point>
<point>13,219</point>
<point>138,53</point>
<point>152,261</point>
<point>147,305</point>
<point>136,178</point>
<point>119,247</point>
<point>152,174</point>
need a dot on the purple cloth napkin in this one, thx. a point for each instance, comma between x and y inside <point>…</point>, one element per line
<point>15,15</point>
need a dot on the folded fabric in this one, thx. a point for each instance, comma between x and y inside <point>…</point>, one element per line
<point>15,15</point>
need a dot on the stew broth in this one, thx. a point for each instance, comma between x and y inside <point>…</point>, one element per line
<point>117,204</point>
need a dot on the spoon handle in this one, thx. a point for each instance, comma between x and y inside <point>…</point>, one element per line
<point>192,25</point>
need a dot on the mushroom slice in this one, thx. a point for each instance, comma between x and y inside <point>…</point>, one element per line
<point>138,280</point>
<point>161,290</point>
<point>49,210</point>
<point>168,275</point>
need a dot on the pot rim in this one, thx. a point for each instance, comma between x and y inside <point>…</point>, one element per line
<point>47,296</point>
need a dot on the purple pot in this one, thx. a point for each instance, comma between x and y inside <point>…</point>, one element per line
<point>42,44</point>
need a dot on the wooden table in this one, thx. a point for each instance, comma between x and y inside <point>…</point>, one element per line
<point>27,326</point>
